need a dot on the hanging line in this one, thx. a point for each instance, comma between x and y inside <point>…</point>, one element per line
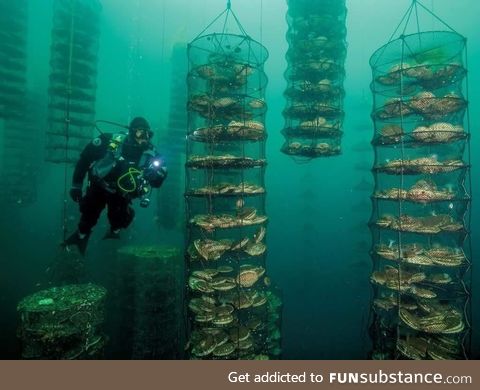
<point>132,57</point>
<point>164,59</point>
<point>406,19</point>
<point>239,24</point>
<point>418,27</point>
<point>211,23</point>
<point>469,243</point>
<point>110,123</point>
<point>67,119</point>
<point>400,207</point>
<point>227,11</point>
<point>164,17</point>
<point>416,15</point>
<point>407,14</point>
<point>415,4</point>
<point>261,28</point>
<point>436,17</point>
<point>225,21</point>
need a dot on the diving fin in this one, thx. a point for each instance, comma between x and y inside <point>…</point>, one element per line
<point>77,240</point>
<point>112,235</point>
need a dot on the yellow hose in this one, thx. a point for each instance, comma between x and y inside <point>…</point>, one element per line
<point>130,174</point>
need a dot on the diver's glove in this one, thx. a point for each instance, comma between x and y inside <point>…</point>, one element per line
<point>76,194</point>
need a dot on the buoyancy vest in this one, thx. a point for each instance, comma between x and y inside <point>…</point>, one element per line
<point>114,163</point>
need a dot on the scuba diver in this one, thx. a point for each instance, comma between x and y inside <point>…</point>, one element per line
<point>120,167</point>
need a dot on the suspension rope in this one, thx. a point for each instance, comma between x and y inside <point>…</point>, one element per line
<point>408,18</point>
<point>436,17</point>
<point>405,16</point>
<point>225,22</point>
<point>163,60</point>
<point>470,198</point>
<point>210,24</point>
<point>418,25</point>
<point>164,16</point>
<point>227,12</point>
<point>400,204</point>
<point>239,24</point>
<point>67,120</point>
<point>371,313</point>
<point>261,26</point>
<point>405,21</point>
<point>393,34</point>
<point>416,16</point>
<point>133,57</point>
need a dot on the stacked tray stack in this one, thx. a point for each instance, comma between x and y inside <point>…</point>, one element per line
<point>13,58</point>
<point>73,78</point>
<point>63,323</point>
<point>420,223</point>
<point>316,56</point>
<point>227,292</point>
<point>147,303</point>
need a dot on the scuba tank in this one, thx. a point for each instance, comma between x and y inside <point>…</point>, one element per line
<point>101,168</point>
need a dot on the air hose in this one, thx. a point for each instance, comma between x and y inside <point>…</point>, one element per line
<point>130,176</point>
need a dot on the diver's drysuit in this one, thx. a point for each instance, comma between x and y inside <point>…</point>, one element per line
<point>119,170</point>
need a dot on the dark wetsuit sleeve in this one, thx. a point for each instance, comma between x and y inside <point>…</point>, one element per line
<point>92,152</point>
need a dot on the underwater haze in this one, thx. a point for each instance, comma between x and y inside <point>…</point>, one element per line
<point>318,237</point>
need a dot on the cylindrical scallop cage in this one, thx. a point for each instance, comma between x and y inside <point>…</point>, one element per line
<point>227,297</point>
<point>20,116</point>
<point>63,323</point>
<point>316,56</point>
<point>20,160</point>
<point>420,223</point>
<point>146,303</point>
<point>73,74</point>
<point>13,58</point>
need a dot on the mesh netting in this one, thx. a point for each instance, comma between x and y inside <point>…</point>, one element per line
<point>231,312</point>
<point>315,73</point>
<point>20,155</point>
<point>13,58</point>
<point>146,302</point>
<point>418,93</point>
<point>420,222</point>
<point>18,115</point>
<point>73,73</point>
<point>63,323</point>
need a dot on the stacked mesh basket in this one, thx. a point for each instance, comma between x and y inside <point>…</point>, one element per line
<point>170,207</point>
<point>225,192</point>
<point>63,323</point>
<point>20,159</point>
<point>19,131</point>
<point>147,303</point>
<point>73,73</point>
<point>13,57</point>
<point>316,56</point>
<point>420,222</point>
